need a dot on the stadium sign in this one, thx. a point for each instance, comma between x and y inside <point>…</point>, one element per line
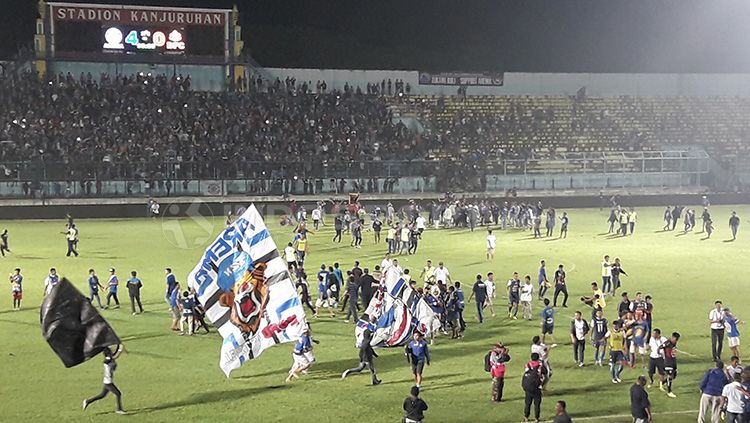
<point>494,79</point>
<point>142,15</point>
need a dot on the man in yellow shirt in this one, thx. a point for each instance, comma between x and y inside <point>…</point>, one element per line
<point>301,246</point>
<point>617,350</point>
<point>428,274</point>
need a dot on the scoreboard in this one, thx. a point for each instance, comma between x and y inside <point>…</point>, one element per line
<point>100,31</point>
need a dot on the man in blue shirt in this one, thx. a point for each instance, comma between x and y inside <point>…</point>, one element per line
<point>171,283</point>
<point>134,290</point>
<point>548,322</point>
<point>733,333</point>
<point>186,305</point>
<point>711,387</point>
<point>112,284</point>
<point>94,287</point>
<point>542,280</point>
<point>303,354</point>
<point>417,354</point>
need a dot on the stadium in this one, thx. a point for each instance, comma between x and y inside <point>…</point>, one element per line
<point>379,212</point>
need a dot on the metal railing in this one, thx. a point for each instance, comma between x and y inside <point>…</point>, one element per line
<point>681,161</point>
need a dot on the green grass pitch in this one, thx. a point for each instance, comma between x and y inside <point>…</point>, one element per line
<point>165,377</point>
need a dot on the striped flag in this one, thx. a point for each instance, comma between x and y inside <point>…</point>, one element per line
<point>395,312</point>
<point>247,291</point>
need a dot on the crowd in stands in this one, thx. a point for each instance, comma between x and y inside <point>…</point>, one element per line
<point>525,127</point>
<point>147,120</point>
<point>143,121</point>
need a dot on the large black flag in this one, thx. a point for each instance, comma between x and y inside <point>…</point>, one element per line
<point>72,326</point>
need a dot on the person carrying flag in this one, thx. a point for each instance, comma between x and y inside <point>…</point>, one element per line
<point>417,354</point>
<point>16,287</point>
<point>303,354</point>
<point>366,359</point>
<point>94,287</point>
<point>112,284</point>
<point>110,365</point>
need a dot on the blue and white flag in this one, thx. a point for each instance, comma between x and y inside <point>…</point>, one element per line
<point>395,312</point>
<point>247,291</point>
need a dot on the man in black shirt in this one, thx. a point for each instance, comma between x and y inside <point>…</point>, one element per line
<point>560,287</point>
<point>365,287</point>
<point>4,242</point>
<point>377,225</point>
<point>734,225</point>
<point>414,407</point>
<point>366,359</point>
<point>624,306</point>
<point>561,415</point>
<point>338,225</point>
<point>640,406</point>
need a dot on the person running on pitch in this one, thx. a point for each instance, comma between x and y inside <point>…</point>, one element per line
<point>417,354</point>
<point>110,365</point>
<point>669,349</point>
<point>303,354</point>
<point>366,359</point>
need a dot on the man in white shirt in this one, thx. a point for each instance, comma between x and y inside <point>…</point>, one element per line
<point>732,400</point>
<point>656,358</point>
<point>527,291</point>
<point>578,330</point>
<point>386,263</point>
<point>606,276</point>
<point>716,317</point>
<point>421,224</point>
<point>290,255</point>
<point>537,346</point>
<point>491,289</point>
<point>491,243</point>
<point>316,215</point>
<point>442,274</point>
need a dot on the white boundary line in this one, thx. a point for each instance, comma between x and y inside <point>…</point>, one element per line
<point>619,416</point>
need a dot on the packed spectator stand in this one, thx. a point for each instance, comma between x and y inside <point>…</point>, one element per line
<point>154,127</point>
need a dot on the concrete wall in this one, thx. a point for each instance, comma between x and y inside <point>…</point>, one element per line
<point>540,84</point>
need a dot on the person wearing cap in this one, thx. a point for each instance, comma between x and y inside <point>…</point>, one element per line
<point>134,290</point>
<point>112,284</point>
<point>414,407</point>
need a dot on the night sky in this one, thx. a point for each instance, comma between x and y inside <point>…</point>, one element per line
<point>473,35</point>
